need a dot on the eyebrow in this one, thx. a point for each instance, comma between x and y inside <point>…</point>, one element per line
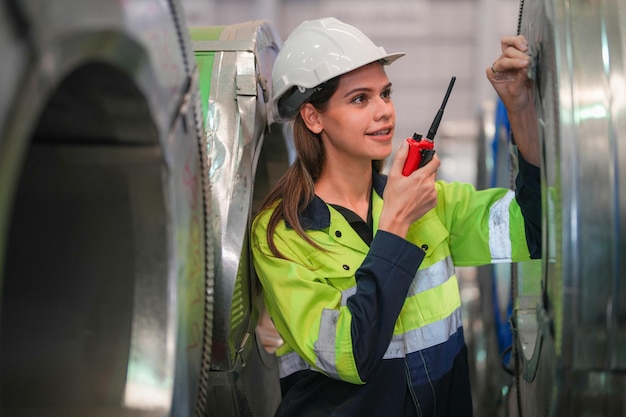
<point>364,89</point>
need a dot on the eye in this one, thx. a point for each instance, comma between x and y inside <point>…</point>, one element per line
<point>359,99</point>
<point>386,94</point>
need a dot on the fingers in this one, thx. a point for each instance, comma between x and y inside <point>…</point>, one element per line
<point>508,74</point>
<point>517,42</point>
<point>408,198</point>
<point>432,166</point>
<point>509,63</point>
<point>514,55</point>
<point>502,67</point>
<point>399,158</point>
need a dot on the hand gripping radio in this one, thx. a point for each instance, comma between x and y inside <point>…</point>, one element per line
<point>421,150</point>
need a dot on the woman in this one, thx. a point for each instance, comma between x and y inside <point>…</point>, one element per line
<point>357,268</point>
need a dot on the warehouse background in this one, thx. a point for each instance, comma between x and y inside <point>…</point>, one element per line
<point>442,38</point>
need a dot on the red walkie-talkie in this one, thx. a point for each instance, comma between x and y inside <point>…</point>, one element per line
<point>421,150</point>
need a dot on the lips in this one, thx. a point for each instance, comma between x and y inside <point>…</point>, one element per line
<point>381,132</point>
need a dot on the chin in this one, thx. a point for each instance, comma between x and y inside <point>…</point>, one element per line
<point>381,156</point>
<point>386,151</point>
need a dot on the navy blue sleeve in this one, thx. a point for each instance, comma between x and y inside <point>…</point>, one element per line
<point>382,281</point>
<point>528,196</point>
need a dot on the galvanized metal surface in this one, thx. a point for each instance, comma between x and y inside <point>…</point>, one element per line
<point>125,286</point>
<point>235,123</point>
<point>101,220</point>
<point>572,326</point>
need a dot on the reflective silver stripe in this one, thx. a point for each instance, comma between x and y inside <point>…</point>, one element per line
<point>325,345</point>
<point>425,279</point>
<point>499,232</point>
<point>291,363</point>
<point>424,337</point>
<point>401,345</point>
<point>345,294</point>
<point>432,277</point>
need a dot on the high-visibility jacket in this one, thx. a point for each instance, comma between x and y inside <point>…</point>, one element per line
<point>377,330</point>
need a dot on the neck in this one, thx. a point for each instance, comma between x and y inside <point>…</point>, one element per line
<point>349,188</point>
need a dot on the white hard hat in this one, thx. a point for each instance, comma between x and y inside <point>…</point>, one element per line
<point>317,51</point>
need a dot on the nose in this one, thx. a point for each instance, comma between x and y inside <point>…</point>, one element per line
<point>384,109</point>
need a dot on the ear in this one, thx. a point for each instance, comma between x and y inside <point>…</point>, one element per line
<point>311,119</point>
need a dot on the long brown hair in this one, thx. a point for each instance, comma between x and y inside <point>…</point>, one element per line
<point>296,188</point>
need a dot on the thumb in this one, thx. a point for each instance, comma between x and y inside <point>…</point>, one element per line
<point>399,159</point>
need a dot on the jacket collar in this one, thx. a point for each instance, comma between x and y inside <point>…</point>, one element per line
<point>316,215</point>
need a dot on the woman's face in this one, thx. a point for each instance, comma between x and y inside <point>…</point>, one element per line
<point>360,118</point>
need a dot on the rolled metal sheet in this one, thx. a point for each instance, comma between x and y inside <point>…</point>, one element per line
<point>571,311</point>
<point>101,210</point>
<point>235,65</point>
